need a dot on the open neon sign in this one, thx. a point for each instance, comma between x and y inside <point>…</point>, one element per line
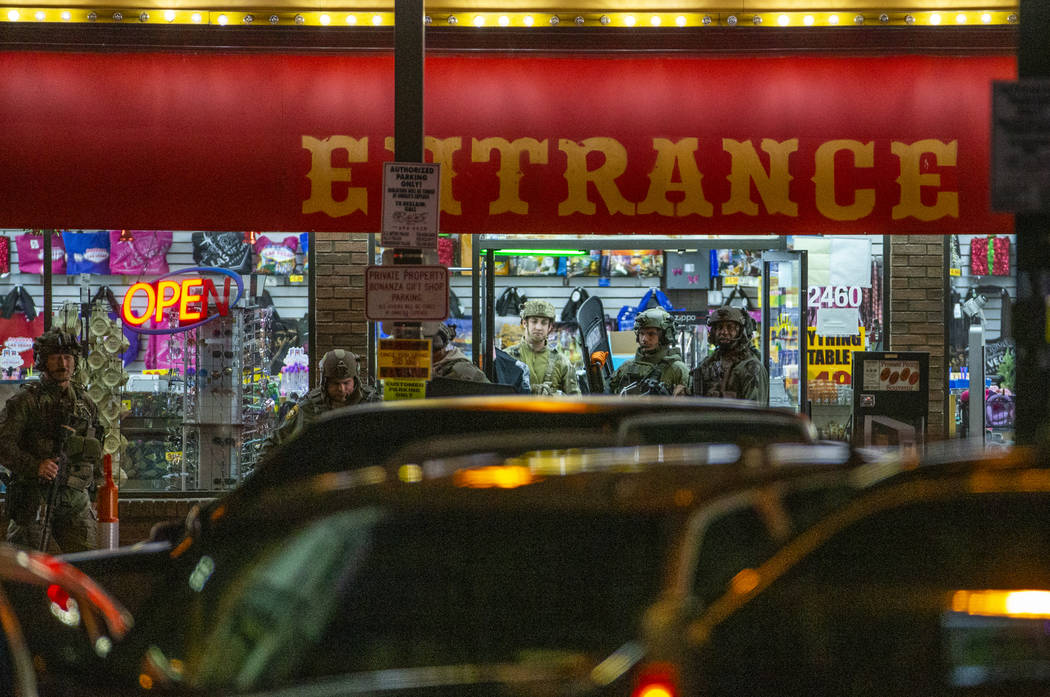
<point>190,298</point>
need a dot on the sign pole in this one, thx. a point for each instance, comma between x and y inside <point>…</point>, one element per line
<point>1032,310</point>
<point>409,46</point>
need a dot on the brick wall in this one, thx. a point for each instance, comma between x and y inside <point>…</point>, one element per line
<point>917,275</point>
<point>339,306</point>
<point>138,515</point>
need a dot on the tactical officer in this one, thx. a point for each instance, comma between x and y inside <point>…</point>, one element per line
<point>550,371</point>
<point>735,368</point>
<point>341,386</point>
<point>48,439</point>
<point>657,366</point>
<point>447,361</point>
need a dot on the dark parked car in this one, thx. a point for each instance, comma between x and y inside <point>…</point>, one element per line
<point>461,572</point>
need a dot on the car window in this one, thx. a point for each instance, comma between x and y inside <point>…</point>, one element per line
<point>871,611</point>
<point>377,589</point>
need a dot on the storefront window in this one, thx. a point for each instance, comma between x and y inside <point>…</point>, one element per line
<point>187,401</point>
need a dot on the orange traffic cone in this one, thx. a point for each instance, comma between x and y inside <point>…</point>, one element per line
<point>106,504</point>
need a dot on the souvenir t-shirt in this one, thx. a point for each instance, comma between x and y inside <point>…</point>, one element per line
<point>86,252</point>
<point>16,344</point>
<point>224,250</point>
<point>31,253</point>
<point>275,258</point>
<point>139,252</point>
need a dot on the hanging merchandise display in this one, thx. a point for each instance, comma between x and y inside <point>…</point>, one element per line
<point>86,252</point>
<point>275,258</point>
<point>509,302</point>
<point>105,376</point>
<point>5,256</point>
<point>30,248</point>
<point>572,305</point>
<point>138,252</point>
<point>224,250</point>
<point>990,256</point>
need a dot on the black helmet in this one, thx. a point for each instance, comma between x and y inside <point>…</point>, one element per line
<point>338,364</point>
<point>660,319</point>
<point>54,341</point>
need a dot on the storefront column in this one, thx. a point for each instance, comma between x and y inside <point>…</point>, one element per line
<point>339,312</point>
<point>917,276</point>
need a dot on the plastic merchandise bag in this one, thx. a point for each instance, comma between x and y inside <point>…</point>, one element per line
<point>30,248</point>
<point>275,258</point>
<point>86,252</point>
<point>510,302</point>
<point>137,252</point>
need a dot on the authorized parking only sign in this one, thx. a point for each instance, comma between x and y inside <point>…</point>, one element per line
<point>410,204</point>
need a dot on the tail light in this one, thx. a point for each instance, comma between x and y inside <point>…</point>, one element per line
<point>656,680</point>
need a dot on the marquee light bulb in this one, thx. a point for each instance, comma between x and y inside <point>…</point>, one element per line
<point>808,20</point>
<point>40,15</point>
<point>223,20</point>
<point>479,21</point>
<point>195,17</point>
<point>654,20</point>
<point>680,20</point>
<point>169,15</point>
<point>377,20</point>
<point>783,20</point>
<point>833,19</point>
<point>528,20</point>
<point>351,20</point>
<point>960,18</point>
<point>12,15</point>
<point>986,17</point>
<point>504,20</point>
<point>935,18</point>
<point>629,20</point>
<point>66,16</point>
<point>325,20</point>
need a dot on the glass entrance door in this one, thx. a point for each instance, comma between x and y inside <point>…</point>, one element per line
<point>783,331</point>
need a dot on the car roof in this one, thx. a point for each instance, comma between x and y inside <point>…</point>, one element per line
<point>366,435</point>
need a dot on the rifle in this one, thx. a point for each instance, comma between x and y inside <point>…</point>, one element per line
<point>62,434</point>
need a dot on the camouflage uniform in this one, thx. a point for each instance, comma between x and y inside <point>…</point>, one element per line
<point>30,426</point>
<point>550,371</point>
<point>316,402</point>
<point>664,364</point>
<point>455,364</point>
<point>734,370</point>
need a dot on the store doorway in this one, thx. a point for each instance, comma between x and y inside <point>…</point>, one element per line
<point>783,335</point>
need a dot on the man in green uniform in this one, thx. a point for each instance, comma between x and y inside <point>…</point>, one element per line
<point>735,368</point>
<point>657,367</point>
<point>48,439</point>
<point>447,361</point>
<point>550,371</point>
<point>341,386</point>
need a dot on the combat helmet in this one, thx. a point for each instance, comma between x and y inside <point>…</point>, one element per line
<point>51,342</point>
<point>337,364</point>
<point>660,319</point>
<point>537,308</point>
<point>728,313</point>
<point>444,335</point>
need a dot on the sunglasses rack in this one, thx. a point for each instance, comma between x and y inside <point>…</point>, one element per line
<point>258,388</point>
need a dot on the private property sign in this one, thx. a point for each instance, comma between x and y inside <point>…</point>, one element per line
<point>410,293</point>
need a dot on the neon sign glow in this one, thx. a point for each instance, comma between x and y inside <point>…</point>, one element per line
<point>188,297</point>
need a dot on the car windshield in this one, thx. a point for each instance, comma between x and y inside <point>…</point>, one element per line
<point>380,588</point>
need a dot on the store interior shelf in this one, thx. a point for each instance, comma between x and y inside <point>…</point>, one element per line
<point>633,242</point>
